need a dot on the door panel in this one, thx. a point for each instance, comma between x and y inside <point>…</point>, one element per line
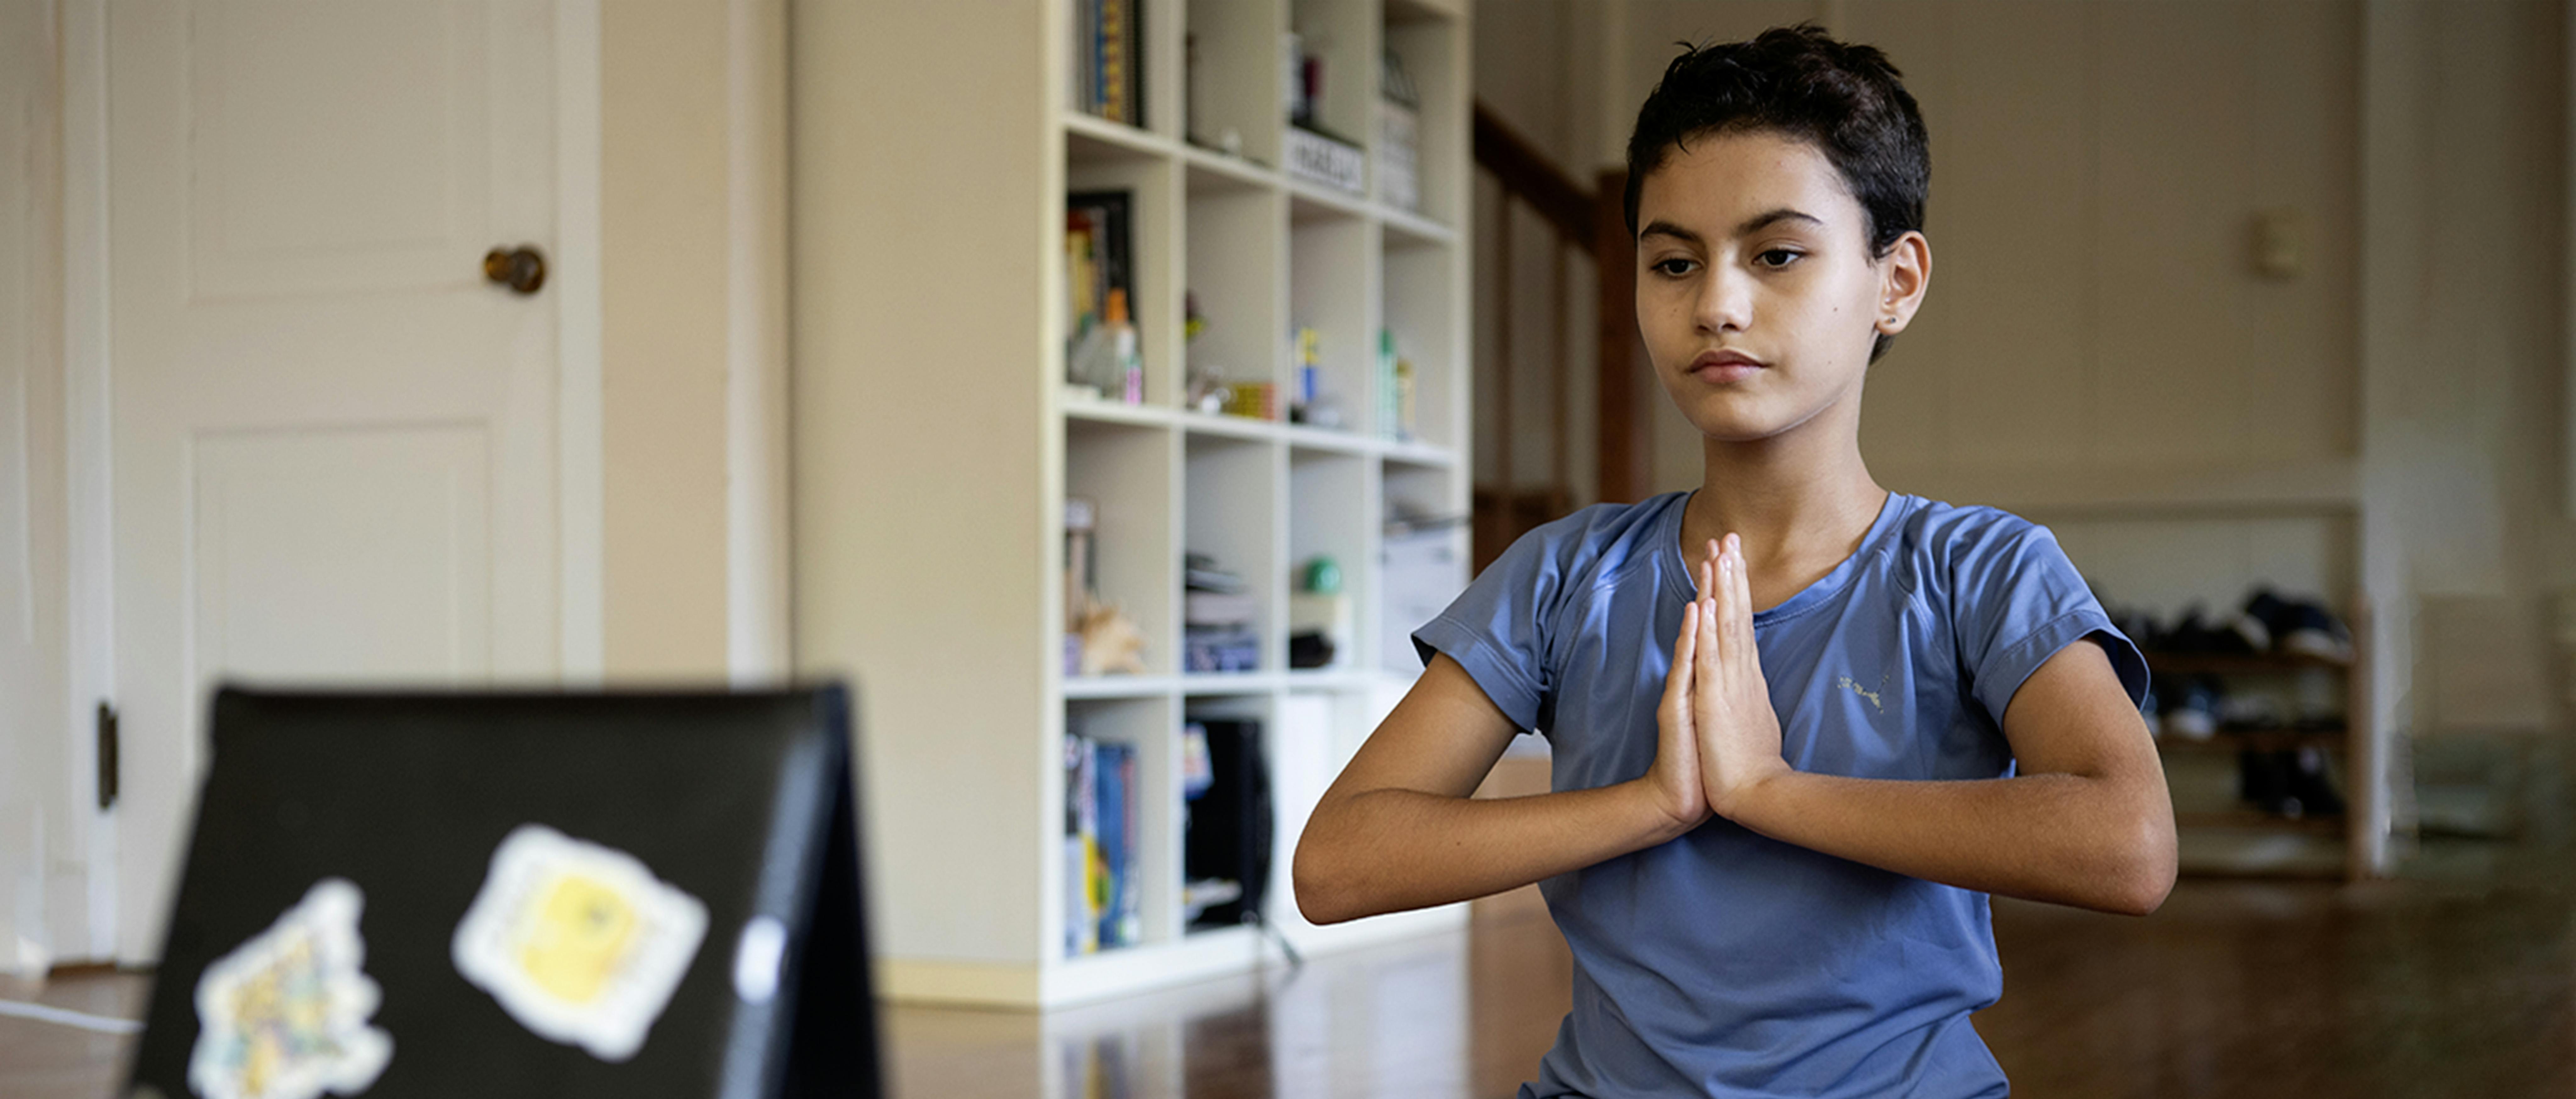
<point>334,444</point>
<point>344,554</point>
<point>304,177</point>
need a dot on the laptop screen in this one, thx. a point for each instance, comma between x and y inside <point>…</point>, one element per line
<point>619,894</point>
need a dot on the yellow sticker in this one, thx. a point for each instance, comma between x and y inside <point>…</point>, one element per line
<point>579,942</point>
<point>581,931</point>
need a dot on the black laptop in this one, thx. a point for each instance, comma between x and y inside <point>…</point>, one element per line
<point>623,894</point>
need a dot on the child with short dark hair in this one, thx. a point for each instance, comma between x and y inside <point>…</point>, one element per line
<point>1801,726</point>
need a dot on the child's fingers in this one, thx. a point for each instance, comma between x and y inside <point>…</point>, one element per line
<point>1685,648</point>
<point>1711,643</point>
<point>1739,624</point>
<point>1728,605</point>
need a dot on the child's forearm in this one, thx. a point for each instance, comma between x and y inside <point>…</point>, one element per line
<point>1390,850</point>
<point>2098,842</point>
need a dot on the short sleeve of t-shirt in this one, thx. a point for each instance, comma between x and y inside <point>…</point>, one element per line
<point>2016,601</point>
<point>1495,629</point>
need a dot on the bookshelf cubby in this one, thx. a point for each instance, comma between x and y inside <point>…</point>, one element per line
<point>937,444</point>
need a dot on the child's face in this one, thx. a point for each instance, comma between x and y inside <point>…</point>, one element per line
<point>1756,288</point>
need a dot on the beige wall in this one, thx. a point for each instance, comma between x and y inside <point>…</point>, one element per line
<point>1527,74</point>
<point>2093,301</point>
<point>664,269</point>
<point>2463,356</point>
<point>693,340</point>
<point>37,813</point>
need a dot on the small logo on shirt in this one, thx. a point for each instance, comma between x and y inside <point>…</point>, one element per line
<point>1848,684</point>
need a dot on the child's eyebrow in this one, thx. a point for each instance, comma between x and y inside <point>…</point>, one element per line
<point>1754,224</point>
<point>1667,229</point>
<point>1765,220</point>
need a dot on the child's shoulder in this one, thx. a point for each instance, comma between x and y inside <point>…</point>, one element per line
<point>1974,547</point>
<point>1599,542</point>
<point>1943,529</point>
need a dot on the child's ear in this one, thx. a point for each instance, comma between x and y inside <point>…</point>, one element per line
<point>1904,273</point>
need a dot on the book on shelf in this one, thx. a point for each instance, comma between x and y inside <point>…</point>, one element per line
<point>1220,608</point>
<point>1318,157</point>
<point>1109,59</point>
<point>1100,290</point>
<point>1103,899</point>
<point>1220,649</point>
<point>1201,572</point>
<point>1399,141</point>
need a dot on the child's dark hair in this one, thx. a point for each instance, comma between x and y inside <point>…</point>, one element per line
<point>1845,99</point>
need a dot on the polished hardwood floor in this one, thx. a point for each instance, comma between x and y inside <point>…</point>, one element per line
<point>2458,979</point>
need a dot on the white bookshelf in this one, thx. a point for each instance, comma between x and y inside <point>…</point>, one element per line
<point>936,445</point>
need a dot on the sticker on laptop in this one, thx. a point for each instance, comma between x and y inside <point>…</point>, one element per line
<point>284,1016</point>
<point>580,943</point>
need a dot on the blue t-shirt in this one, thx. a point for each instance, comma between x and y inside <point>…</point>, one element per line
<point>1723,962</point>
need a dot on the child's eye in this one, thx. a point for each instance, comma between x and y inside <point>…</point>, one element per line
<point>1777,257</point>
<point>1674,268</point>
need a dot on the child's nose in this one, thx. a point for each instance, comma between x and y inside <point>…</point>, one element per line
<point>1725,301</point>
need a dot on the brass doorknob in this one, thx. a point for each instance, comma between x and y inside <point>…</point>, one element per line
<point>522,269</point>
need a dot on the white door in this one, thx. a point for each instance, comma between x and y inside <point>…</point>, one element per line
<point>334,443</point>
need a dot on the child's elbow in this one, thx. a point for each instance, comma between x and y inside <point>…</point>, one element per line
<point>2146,876</point>
<point>1323,894</point>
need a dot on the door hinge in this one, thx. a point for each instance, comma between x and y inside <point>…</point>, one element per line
<point>107,761</point>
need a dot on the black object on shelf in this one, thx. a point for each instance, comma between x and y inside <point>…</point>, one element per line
<point>1231,826</point>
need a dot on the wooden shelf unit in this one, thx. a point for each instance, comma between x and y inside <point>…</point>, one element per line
<point>936,443</point>
<point>2246,841</point>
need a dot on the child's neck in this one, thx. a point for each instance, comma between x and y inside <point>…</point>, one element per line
<point>1800,507</point>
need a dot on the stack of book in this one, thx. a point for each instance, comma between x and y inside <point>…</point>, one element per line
<point>1109,59</point>
<point>1220,619</point>
<point>1103,902</point>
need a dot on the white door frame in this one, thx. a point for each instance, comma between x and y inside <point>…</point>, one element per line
<point>89,438</point>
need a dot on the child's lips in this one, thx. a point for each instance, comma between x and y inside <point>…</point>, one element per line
<point>1724,367</point>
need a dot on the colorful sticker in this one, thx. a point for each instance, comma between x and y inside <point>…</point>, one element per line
<point>580,943</point>
<point>284,1016</point>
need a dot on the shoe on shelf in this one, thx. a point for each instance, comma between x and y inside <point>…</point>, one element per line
<point>2309,791</point>
<point>2301,626</point>
<point>2189,709</point>
<point>2233,635</point>
<point>2287,782</point>
<point>2250,710</point>
<point>2263,783</point>
<point>2138,626</point>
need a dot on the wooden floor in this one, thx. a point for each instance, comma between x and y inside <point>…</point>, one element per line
<point>2459,980</point>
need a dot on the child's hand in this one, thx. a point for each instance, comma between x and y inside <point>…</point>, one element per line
<point>1738,733</point>
<point>1674,783</point>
